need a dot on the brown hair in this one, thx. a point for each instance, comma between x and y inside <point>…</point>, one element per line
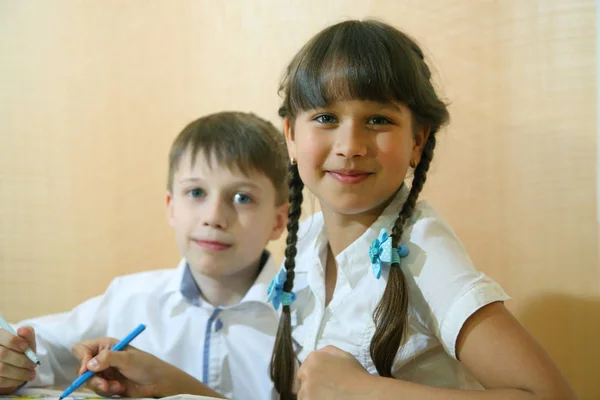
<point>366,60</point>
<point>235,139</point>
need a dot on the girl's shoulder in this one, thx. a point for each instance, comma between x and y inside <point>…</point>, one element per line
<point>445,285</point>
<point>426,222</point>
<point>425,210</point>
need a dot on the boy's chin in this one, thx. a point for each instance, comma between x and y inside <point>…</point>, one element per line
<point>221,267</point>
<point>209,270</point>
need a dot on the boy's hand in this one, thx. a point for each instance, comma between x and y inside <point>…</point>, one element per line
<point>132,372</point>
<point>15,367</point>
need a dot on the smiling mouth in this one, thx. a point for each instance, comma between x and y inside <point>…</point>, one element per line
<point>349,177</point>
<point>212,245</point>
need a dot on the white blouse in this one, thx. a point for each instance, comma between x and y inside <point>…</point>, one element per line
<point>444,291</point>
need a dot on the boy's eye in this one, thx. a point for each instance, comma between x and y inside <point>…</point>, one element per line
<point>195,193</point>
<point>242,198</point>
<point>325,119</point>
<point>379,120</point>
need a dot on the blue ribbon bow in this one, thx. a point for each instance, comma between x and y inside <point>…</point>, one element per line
<point>276,294</point>
<point>381,252</point>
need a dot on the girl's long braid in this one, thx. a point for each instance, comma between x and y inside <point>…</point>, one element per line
<point>391,313</point>
<point>283,360</point>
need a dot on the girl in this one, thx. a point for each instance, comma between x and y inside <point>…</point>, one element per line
<point>377,285</point>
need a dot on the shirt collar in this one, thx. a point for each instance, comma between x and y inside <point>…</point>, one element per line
<point>353,261</point>
<point>174,285</point>
<point>268,270</point>
<point>191,292</point>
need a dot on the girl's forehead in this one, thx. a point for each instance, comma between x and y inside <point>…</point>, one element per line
<point>361,105</point>
<point>335,89</point>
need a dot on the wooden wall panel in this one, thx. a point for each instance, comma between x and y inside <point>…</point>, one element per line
<point>93,93</point>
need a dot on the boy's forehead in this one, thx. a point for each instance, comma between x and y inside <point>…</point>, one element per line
<point>204,167</point>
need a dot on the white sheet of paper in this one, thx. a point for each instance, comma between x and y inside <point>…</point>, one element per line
<point>51,394</point>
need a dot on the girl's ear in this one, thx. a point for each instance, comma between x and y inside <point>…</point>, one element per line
<point>421,137</point>
<point>289,138</point>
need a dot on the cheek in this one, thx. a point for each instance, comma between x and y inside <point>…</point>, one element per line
<point>253,227</point>
<point>312,149</point>
<point>183,215</point>
<point>394,152</point>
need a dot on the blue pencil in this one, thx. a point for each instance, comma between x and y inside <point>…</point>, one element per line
<point>83,378</point>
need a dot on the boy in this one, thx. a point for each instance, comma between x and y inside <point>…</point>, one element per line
<point>226,199</point>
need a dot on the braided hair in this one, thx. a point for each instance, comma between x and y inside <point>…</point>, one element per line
<point>365,60</point>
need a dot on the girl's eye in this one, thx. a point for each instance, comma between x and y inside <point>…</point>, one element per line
<point>242,198</point>
<point>325,119</point>
<point>379,120</point>
<point>195,193</point>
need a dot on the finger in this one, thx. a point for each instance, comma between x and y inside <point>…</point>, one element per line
<point>83,365</point>
<point>9,383</point>
<point>28,333</point>
<point>301,374</point>
<point>13,342</point>
<point>106,358</point>
<point>115,388</point>
<point>81,350</point>
<point>296,385</point>
<point>99,362</point>
<point>15,373</point>
<point>83,354</point>
<point>300,395</point>
<point>93,347</point>
<point>104,387</point>
<point>98,385</point>
<point>85,351</point>
<point>113,377</point>
<point>16,359</point>
<point>110,374</point>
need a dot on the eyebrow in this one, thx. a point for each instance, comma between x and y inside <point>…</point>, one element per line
<point>390,106</point>
<point>237,183</point>
<point>381,106</point>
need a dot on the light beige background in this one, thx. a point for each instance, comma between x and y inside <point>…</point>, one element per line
<point>92,94</point>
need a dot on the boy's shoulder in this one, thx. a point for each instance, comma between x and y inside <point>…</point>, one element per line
<point>149,276</point>
<point>147,281</point>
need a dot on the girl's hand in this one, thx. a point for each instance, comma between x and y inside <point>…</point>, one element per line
<point>132,372</point>
<point>331,373</point>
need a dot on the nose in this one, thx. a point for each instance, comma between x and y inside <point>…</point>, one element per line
<point>351,140</point>
<point>215,214</point>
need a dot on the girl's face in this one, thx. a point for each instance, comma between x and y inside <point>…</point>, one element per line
<point>354,155</point>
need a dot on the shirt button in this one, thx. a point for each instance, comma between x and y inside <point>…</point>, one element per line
<point>218,325</point>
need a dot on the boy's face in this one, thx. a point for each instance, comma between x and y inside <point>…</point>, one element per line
<point>222,218</point>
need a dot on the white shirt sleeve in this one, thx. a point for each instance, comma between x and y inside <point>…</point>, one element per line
<point>56,334</point>
<point>451,287</point>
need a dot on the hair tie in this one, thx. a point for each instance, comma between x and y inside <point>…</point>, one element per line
<point>380,252</point>
<point>276,294</point>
